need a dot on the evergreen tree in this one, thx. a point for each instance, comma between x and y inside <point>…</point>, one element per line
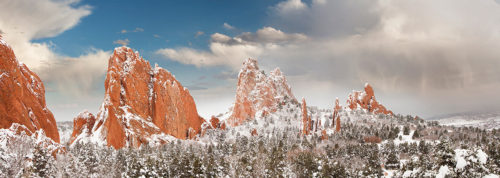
<point>42,165</point>
<point>406,130</point>
<point>372,168</point>
<point>416,134</point>
<point>445,155</point>
<point>392,161</point>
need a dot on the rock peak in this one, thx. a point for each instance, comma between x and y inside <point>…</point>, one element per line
<point>258,93</point>
<point>276,72</point>
<point>366,100</point>
<point>141,102</point>
<point>251,64</point>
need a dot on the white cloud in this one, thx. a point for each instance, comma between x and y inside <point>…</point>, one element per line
<point>219,54</point>
<point>290,6</point>
<point>407,49</point>
<point>231,51</point>
<point>227,26</point>
<point>77,75</point>
<point>138,29</point>
<point>271,35</point>
<point>124,42</point>
<point>35,19</point>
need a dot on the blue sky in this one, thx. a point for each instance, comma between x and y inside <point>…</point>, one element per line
<point>422,57</point>
<point>175,22</point>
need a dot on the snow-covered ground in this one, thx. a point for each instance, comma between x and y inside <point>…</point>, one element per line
<point>483,120</point>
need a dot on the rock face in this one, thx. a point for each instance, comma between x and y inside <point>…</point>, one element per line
<point>22,97</point>
<point>336,115</point>
<point>254,132</point>
<point>257,93</point>
<point>82,125</point>
<point>306,119</point>
<point>324,135</point>
<point>141,103</point>
<point>366,100</point>
<point>215,123</point>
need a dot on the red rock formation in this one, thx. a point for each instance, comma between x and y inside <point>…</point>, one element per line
<point>336,115</point>
<point>82,124</point>
<point>372,139</point>
<point>215,122</point>
<point>223,126</point>
<point>366,100</point>
<point>254,132</point>
<point>22,97</point>
<point>257,92</point>
<point>324,136</point>
<point>306,119</point>
<point>141,102</point>
<point>337,125</point>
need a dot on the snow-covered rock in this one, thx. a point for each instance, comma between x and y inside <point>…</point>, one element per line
<point>141,105</point>
<point>257,93</point>
<point>22,97</point>
<point>366,100</point>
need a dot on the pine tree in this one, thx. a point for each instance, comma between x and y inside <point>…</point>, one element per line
<point>372,168</point>
<point>392,161</point>
<point>445,155</point>
<point>422,147</point>
<point>406,130</point>
<point>42,162</point>
<point>416,134</point>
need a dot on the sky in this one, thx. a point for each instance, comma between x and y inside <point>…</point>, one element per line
<point>423,57</point>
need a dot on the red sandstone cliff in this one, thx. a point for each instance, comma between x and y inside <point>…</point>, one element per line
<point>22,97</point>
<point>141,103</point>
<point>258,93</point>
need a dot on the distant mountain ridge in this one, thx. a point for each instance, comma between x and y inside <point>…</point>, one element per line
<point>480,119</point>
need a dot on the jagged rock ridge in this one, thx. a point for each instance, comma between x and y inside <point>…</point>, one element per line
<point>366,100</point>
<point>141,105</point>
<point>257,93</point>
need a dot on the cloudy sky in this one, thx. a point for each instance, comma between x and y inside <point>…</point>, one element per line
<point>423,57</point>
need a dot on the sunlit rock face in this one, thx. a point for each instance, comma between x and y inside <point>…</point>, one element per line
<point>306,119</point>
<point>22,97</point>
<point>142,104</point>
<point>82,125</point>
<point>336,115</point>
<point>258,93</point>
<point>366,100</point>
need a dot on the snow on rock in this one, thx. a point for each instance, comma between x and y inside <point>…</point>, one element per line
<point>366,100</point>
<point>22,97</point>
<point>141,103</point>
<point>257,93</point>
<point>82,124</point>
